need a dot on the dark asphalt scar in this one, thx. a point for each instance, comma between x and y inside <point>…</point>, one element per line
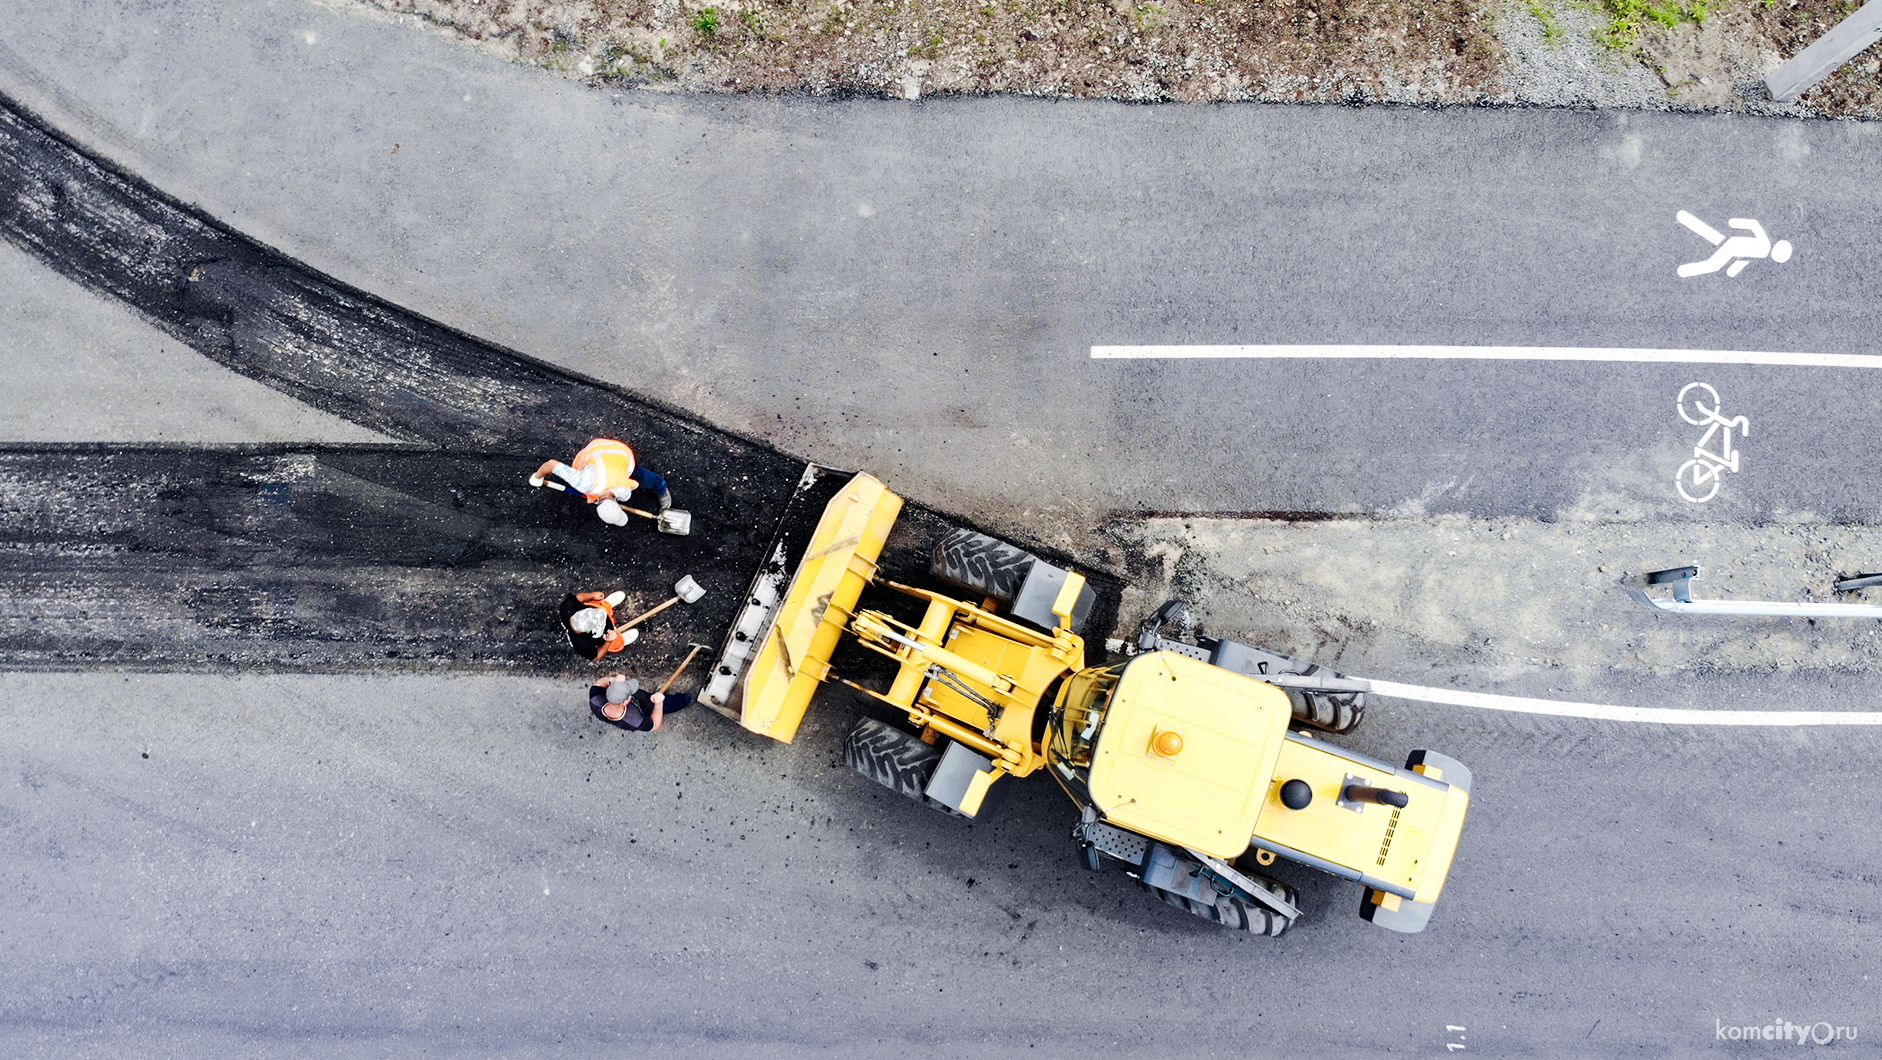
<point>349,558</point>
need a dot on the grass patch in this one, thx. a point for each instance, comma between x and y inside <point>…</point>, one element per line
<point>1544,12</point>
<point>1627,18</point>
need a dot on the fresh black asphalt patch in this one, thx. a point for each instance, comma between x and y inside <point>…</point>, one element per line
<point>435,554</point>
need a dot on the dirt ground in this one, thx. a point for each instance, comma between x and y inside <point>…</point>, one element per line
<point>1669,54</point>
<point>1501,598</point>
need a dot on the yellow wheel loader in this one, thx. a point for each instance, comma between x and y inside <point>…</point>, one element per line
<point>1193,763</point>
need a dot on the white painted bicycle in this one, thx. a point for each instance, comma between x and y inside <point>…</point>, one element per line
<point>1699,478</point>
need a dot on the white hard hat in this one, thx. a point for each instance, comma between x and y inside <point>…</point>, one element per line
<point>590,620</point>
<point>611,512</point>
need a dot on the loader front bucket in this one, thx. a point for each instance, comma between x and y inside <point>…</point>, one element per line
<point>792,656</point>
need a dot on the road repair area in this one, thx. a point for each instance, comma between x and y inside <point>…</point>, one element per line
<point>349,558</point>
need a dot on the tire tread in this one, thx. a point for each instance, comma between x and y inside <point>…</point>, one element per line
<point>892,758</point>
<point>982,564</point>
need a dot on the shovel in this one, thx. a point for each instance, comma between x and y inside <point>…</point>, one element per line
<point>684,663</point>
<point>671,521</point>
<point>685,589</point>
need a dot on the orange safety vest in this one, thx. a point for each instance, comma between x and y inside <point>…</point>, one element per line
<point>618,640</point>
<point>616,462</point>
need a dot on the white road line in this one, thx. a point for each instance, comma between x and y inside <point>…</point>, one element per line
<point>1604,712</point>
<point>1488,353</point>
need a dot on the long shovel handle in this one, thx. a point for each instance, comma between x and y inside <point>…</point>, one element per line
<point>551,482</point>
<point>684,663</point>
<point>647,614</point>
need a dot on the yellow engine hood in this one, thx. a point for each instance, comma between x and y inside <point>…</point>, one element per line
<point>1210,792</point>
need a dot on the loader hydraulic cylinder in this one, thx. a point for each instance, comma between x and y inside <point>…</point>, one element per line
<point>869,625</point>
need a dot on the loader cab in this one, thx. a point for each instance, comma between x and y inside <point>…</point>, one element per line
<point>1170,747</point>
<point>1072,731</point>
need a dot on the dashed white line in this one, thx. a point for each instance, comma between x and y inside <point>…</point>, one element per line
<point>1490,353</point>
<point>1605,712</point>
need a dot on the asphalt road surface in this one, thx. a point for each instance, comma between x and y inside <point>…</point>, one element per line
<point>913,288</point>
<point>210,856</point>
<point>353,557</point>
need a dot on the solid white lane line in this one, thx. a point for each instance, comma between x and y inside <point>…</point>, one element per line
<point>1766,608</point>
<point>1489,353</point>
<point>1604,712</point>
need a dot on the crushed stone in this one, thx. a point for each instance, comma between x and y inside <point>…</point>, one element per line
<point>1506,597</point>
<point>1676,55</point>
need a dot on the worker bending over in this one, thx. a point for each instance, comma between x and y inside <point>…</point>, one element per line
<point>605,474</point>
<point>621,702</point>
<point>588,620</point>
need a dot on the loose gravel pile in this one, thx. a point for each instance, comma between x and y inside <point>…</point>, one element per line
<point>1650,54</point>
<point>1506,597</point>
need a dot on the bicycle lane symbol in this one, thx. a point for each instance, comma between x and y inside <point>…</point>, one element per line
<point>1699,478</point>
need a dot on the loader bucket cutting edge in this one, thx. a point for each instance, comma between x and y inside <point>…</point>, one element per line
<point>794,656</point>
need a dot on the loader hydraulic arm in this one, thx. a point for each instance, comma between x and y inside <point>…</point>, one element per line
<point>874,628</point>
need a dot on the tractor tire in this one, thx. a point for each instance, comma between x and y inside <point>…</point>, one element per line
<point>1264,921</point>
<point>1231,912</point>
<point>896,760</point>
<point>981,564</point>
<point>890,757</point>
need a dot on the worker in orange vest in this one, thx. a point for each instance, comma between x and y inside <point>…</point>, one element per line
<point>605,473</point>
<point>588,622</point>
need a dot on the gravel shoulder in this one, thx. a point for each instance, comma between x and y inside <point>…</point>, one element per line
<point>1478,603</point>
<point>1641,54</point>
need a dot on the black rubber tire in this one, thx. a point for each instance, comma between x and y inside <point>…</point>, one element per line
<point>892,758</point>
<point>1236,913</point>
<point>1177,900</point>
<point>899,761</point>
<point>1255,919</point>
<point>1265,921</point>
<point>1336,712</point>
<point>1231,912</point>
<point>981,564</point>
